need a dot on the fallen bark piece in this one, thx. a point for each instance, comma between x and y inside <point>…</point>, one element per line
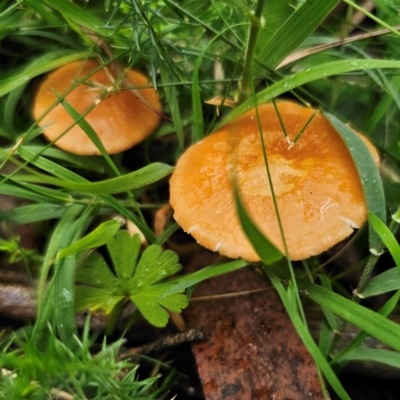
<point>251,351</point>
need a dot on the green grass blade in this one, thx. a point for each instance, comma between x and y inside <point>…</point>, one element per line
<point>69,216</point>
<point>383,105</point>
<point>385,311</point>
<point>38,66</point>
<point>79,16</point>
<point>386,236</point>
<point>309,75</point>
<point>385,282</point>
<point>33,213</point>
<point>209,272</point>
<point>264,248</point>
<point>170,93</point>
<point>88,163</point>
<point>57,306</point>
<point>290,305</point>
<point>368,173</point>
<point>300,24</point>
<point>95,238</point>
<point>41,9</point>
<point>90,132</point>
<point>64,282</point>
<point>33,192</point>
<point>369,321</point>
<point>383,356</point>
<point>28,154</point>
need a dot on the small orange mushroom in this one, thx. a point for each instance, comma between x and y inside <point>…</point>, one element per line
<point>316,184</point>
<point>121,120</point>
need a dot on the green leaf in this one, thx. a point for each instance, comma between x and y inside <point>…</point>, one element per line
<point>369,321</point>
<point>95,299</point>
<point>385,282</point>
<point>386,236</point>
<point>96,238</point>
<point>142,283</point>
<point>155,265</point>
<point>149,300</point>
<point>124,251</point>
<point>149,308</point>
<point>368,173</point>
<point>95,272</point>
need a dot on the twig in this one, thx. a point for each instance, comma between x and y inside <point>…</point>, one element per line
<point>190,335</point>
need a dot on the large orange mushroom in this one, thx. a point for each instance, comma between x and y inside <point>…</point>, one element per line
<point>123,119</point>
<point>316,184</point>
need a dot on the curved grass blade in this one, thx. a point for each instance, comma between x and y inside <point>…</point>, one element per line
<point>91,163</point>
<point>287,298</point>
<point>309,75</point>
<point>264,248</point>
<point>368,173</point>
<point>134,180</point>
<point>38,66</point>
<point>383,356</point>
<point>293,31</point>
<point>90,132</point>
<point>383,283</point>
<point>369,321</point>
<point>96,238</point>
<point>209,272</point>
<point>387,308</point>
<point>33,213</point>
<point>386,236</point>
<point>80,17</point>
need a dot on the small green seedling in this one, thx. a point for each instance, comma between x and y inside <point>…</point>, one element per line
<point>143,282</point>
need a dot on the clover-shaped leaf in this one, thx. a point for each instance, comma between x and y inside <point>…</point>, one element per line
<point>101,288</point>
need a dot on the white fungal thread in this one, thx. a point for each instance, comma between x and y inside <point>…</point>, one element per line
<point>218,246</point>
<point>349,222</point>
<point>376,252</point>
<point>66,295</point>
<point>192,228</point>
<point>325,207</point>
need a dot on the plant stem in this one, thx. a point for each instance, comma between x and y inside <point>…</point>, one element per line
<point>245,90</point>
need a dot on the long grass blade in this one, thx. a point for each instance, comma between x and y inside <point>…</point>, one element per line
<point>369,321</point>
<point>368,173</point>
<point>309,75</point>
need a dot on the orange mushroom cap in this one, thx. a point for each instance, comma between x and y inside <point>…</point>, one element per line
<point>121,120</point>
<point>316,184</point>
